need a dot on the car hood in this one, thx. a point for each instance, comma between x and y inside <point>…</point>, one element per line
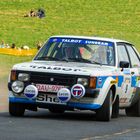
<point>73,68</point>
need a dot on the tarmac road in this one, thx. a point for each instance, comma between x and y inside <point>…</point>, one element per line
<point>77,125</point>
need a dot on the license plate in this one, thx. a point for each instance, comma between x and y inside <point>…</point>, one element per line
<point>47,98</point>
<point>48,88</point>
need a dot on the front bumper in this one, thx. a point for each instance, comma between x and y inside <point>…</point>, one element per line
<point>86,103</point>
<point>68,106</point>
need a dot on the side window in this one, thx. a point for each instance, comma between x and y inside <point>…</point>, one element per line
<point>135,62</point>
<point>122,53</point>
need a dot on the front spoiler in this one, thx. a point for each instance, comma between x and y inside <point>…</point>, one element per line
<point>69,105</point>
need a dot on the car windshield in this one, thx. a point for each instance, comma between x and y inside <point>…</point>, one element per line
<point>78,50</point>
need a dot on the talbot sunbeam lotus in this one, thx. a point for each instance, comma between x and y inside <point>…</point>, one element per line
<point>78,72</point>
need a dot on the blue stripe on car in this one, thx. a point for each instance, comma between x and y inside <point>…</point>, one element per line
<point>83,105</point>
<point>20,100</point>
<point>102,79</point>
<point>133,81</point>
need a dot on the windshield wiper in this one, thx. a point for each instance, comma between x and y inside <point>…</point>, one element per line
<point>84,60</point>
<point>68,59</point>
<point>47,58</point>
<point>52,58</point>
<point>65,59</point>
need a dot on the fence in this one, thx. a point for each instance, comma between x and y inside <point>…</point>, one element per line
<point>18,52</point>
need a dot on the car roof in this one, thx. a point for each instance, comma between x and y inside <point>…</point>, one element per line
<point>92,37</point>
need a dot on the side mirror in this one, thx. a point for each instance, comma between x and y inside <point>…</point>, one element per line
<point>124,64</point>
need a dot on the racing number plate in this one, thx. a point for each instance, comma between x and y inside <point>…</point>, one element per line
<point>48,88</point>
<point>48,98</point>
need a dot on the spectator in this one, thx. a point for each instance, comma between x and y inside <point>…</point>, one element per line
<point>39,45</point>
<point>13,46</point>
<point>2,45</point>
<point>32,13</point>
<point>25,47</point>
<point>7,46</point>
<point>41,13</point>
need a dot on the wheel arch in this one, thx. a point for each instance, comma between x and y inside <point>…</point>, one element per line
<point>113,88</point>
<point>109,84</point>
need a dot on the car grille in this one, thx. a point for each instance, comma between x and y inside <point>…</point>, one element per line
<point>52,79</point>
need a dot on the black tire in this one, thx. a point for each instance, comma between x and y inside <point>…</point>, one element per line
<point>105,112</point>
<point>56,110</point>
<point>133,110</point>
<point>16,109</point>
<point>115,110</point>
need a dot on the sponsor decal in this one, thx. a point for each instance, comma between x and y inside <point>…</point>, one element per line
<point>126,86</point>
<point>48,98</point>
<point>113,82</point>
<point>48,88</point>
<point>56,68</point>
<point>127,80</point>
<point>30,92</point>
<point>78,91</point>
<point>81,41</point>
<point>64,95</point>
<point>100,81</point>
<point>55,40</point>
<point>126,71</point>
<point>96,43</point>
<point>71,40</point>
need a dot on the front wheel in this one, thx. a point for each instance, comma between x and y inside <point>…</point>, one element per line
<point>16,109</point>
<point>115,110</point>
<point>105,112</point>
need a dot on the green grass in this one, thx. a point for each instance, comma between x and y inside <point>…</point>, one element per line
<point>106,18</point>
<point>6,63</point>
<point>115,18</point>
<point>5,59</point>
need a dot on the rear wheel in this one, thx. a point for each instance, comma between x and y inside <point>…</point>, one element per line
<point>105,112</point>
<point>56,110</point>
<point>16,109</point>
<point>133,110</point>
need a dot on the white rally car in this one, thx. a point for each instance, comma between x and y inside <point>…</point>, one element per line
<point>78,72</point>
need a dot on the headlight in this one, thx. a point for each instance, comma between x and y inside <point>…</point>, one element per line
<point>17,86</point>
<point>82,81</point>
<point>23,77</point>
